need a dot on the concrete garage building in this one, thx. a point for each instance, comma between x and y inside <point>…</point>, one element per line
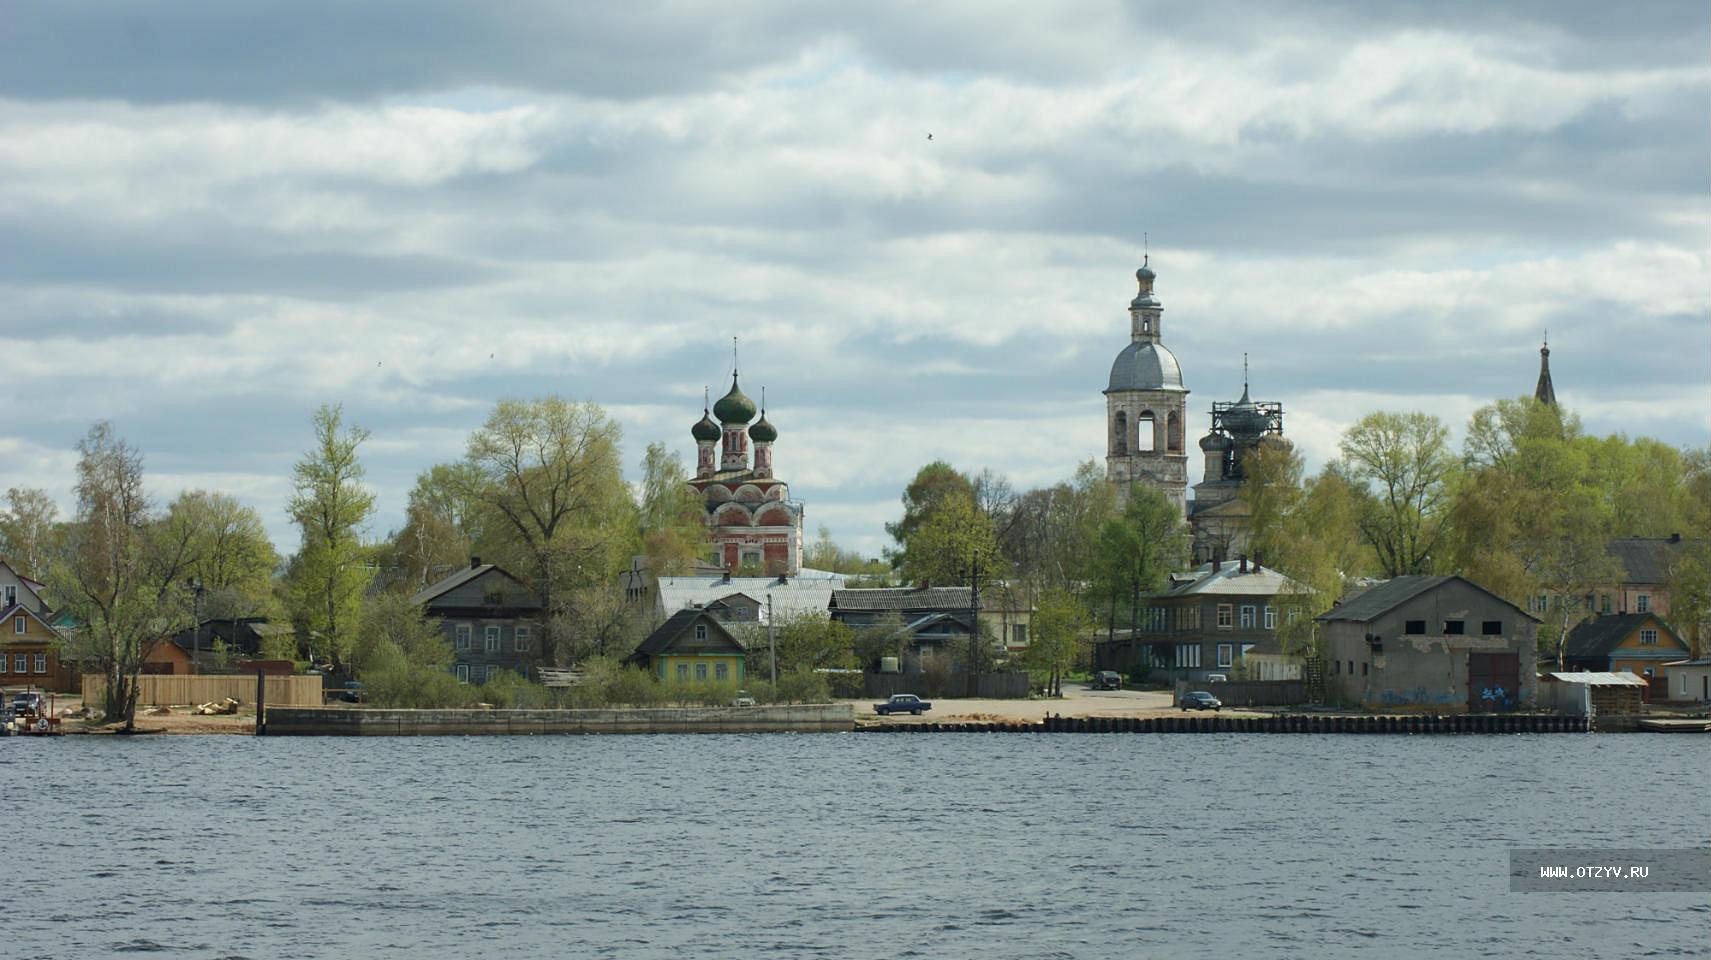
<point>1442,644</point>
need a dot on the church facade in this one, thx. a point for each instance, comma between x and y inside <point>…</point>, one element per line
<point>752,522</point>
<point>1145,406</point>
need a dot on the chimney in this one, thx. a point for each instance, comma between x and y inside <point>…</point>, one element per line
<point>1675,538</point>
<point>1217,564</point>
<point>923,584</point>
<point>474,562</point>
<point>1256,561</point>
<point>1244,568</point>
<point>727,576</point>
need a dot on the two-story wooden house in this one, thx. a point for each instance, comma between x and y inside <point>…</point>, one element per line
<point>30,646</point>
<point>1211,618</point>
<point>491,619</point>
<point>1636,643</point>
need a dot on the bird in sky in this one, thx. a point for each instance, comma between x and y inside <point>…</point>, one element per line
<point>929,136</point>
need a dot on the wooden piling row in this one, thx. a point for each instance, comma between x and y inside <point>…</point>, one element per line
<point>1288,723</point>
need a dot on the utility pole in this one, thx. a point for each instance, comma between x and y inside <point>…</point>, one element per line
<point>196,620</point>
<point>771,648</point>
<point>974,619</point>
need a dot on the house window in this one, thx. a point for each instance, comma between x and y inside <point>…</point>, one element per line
<point>1683,687</point>
<point>683,673</point>
<point>1648,636</point>
<point>721,671</point>
<point>1226,654</point>
<point>1247,616</point>
<point>1492,628</point>
<point>1643,603</point>
<point>751,557</point>
<point>1454,628</point>
<point>1604,603</point>
<point>1225,613</point>
<point>1414,628</point>
<point>701,671</point>
<point>522,641</point>
<point>1292,615</point>
<point>1336,666</point>
<point>1021,634</point>
<point>463,673</point>
<point>11,595</point>
<point>18,625</point>
<point>1351,668</point>
<point>1363,668</point>
<point>1188,655</point>
<point>490,642</point>
<point>463,630</point>
<point>701,631</point>
<point>41,663</point>
<point>1648,673</point>
<point>493,598</point>
<point>1270,617</point>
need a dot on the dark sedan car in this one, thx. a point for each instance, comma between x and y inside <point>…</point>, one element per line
<point>1200,700</point>
<point>1107,680</point>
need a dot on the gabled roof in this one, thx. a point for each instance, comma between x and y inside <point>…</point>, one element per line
<point>1644,559</point>
<point>665,637</point>
<point>1229,579</point>
<point>1392,593</point>
<point>1601,635</point>
<point>882,599</point>
<point>458,579</point>
<point>807,592</point>
<point>20,608</point>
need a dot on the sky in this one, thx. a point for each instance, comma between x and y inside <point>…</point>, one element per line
<point>215,217</point>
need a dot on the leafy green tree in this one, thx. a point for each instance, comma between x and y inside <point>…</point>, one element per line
<point>1403,465</point>
<point>1057,637</point>
<point>809,641</point>
<point>1306,529</point>
<point>1134,553</point>
<point>445,523</point>
<point>121,577</point>
<point>29,531</point>
<point>403,658</point>
<point>227,550</point>
<point>933,485</point>
<point>673,518</point>
<point>951,542</point>
<point>563,514</point>
<point>326,578</point>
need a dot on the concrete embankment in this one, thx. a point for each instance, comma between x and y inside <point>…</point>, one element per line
<point>365,722</point>
<point>1463,723</point>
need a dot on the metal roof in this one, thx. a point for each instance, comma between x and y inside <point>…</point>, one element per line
<point>1229,580</point>
<point>1601,635</point>
<point>1599,679</point>
<point>458,579</point>
<point>903,598</point>
<point>808,592</point>
<point>1382,598</point>
<point>1644,559</point>
<point>1145,366</point>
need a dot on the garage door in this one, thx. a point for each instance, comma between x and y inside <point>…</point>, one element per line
<point>1493,682</point>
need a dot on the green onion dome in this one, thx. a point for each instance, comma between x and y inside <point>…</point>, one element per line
<point>763,431</point>
<point>733,407</point>
<point>705,429</point>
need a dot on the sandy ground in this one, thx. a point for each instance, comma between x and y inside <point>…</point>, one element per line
<point>1078,701</point>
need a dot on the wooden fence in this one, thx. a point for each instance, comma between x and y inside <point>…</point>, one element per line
<point>987,686</point>
<point>164,690</point>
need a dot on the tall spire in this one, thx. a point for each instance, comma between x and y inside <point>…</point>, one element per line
<point>1545,392</point>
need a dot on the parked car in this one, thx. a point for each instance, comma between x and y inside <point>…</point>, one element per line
<point>902,703</point>
<point>27,704</point>
<point>743,699</point>
<point>1200,700</point>
<point>1217,678</point>
<point>1107,680</point>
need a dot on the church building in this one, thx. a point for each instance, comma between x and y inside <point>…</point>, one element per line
<point>753,523</point>
<point>1218,516</point>
<point>1145,403</point>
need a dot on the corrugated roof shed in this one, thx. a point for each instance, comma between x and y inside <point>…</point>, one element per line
<point>882,599</point>
<point>1599,679</point>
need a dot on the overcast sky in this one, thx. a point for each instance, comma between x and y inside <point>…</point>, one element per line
<point>215,217</point>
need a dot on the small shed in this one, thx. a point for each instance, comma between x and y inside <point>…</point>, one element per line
<point>1689,680</point>
<point>1606,693</point>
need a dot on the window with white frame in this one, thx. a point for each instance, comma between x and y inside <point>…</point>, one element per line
<point>21,663</point>
<point>522,639</point>
<point>701,671</point>
<point>1020,634</point>
<point>683,673</point>
<point>1683,685</point>
<point>1648,636</point>
<point>721,671</point>
<point>701,631</point>
<point>1226,654</point>
<point>1188,655</point>
<point>11,594</point>
<point>462,671</point>
<point>1247,616</point>
<point>462,632</point>
<point>1643,603</point>
<point>490,642</point>
<point>1225,615</point>
<point>19,625</point>
<point>41,663</point>
<point>1270,617</point>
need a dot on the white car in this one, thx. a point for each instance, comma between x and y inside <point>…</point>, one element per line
<point>743,699</point>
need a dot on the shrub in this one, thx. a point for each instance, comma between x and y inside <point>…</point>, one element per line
<point>510,691</point>
<point>803,686</point>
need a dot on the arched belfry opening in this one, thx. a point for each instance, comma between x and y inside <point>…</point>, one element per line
<point>1120,434</point>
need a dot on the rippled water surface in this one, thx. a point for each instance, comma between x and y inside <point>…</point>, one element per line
<point>942,846</point>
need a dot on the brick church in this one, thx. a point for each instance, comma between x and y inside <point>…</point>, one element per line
<point>753,524</point>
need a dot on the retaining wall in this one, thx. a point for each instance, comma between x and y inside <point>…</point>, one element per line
<point>1200,723</point>
<point>362,721</point>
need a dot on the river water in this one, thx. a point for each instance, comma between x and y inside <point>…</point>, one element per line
<point>862,845</point>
